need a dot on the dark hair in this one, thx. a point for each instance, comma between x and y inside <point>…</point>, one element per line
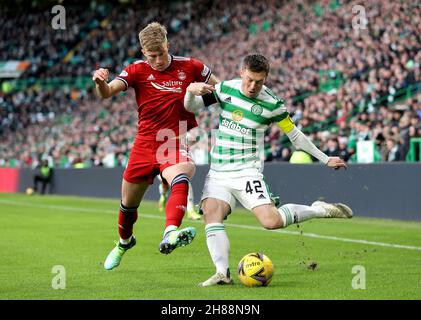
<point>256,63</point>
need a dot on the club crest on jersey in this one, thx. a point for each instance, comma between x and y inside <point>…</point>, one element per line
<point>181,75</point>
<point>257,109</point>
<point>237,115</point>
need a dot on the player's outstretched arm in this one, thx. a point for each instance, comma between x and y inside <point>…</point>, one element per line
<point>300,141</point>
<point>104,89</point>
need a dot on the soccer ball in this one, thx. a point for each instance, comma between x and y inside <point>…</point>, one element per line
<point>29,191</point>
<point>255,270</point>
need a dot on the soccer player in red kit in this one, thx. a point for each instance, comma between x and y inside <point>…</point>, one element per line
<point>159,83</point>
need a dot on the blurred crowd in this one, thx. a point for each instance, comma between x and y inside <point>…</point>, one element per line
<point>73,128</point>
<point>29,36</point>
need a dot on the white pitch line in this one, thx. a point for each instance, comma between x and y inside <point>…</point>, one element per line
<point>241,226</point>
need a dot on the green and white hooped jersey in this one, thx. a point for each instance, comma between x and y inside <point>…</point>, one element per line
<point>239,141</point>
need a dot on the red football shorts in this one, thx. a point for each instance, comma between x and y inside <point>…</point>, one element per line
<point>148,158</point>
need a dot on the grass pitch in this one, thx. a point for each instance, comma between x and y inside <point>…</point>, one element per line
<point>314,260</point>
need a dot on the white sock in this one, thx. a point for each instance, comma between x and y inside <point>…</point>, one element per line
<point>218,245</point>
<point>295,213</point>
<point>169,229</point>
<point>126,241</point>
<point>190,198</point>
<point>162,192</point>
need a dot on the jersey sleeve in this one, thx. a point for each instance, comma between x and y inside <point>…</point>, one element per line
<point>281,116</point>
<point>201,71</point>
<point>217,92</point>
<point>211,100</point>
<point>216,95</point>
<point>127,76</point>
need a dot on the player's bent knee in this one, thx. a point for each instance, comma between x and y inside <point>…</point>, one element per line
<point>132,193</point>
<point>268,217</point>
<point>209,214</point>
<point>171,172</point>
<point>130,199</point>
<point>272,224</point>
<point>213,212</point>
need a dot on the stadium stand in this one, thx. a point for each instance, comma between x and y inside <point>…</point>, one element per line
<point>341,85</point>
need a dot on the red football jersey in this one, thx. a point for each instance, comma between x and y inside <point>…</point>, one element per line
<point>160,95</point>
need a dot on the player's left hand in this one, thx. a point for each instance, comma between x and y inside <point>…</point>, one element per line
<point>200,88</point>
<point>336,163</point>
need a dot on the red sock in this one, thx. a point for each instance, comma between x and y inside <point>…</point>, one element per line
<point>177,202</point>
<point>126,219</point>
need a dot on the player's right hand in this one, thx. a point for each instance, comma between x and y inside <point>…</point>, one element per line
<point>100,75</point>
<point>200,88</point>
<point>336,163</point>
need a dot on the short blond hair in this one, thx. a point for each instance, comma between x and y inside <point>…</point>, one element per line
<point>153,37</point>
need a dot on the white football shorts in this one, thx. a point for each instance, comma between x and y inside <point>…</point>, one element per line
<point>251,191</point>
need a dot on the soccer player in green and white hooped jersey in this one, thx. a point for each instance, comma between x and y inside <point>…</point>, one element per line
<point>247,108</point>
